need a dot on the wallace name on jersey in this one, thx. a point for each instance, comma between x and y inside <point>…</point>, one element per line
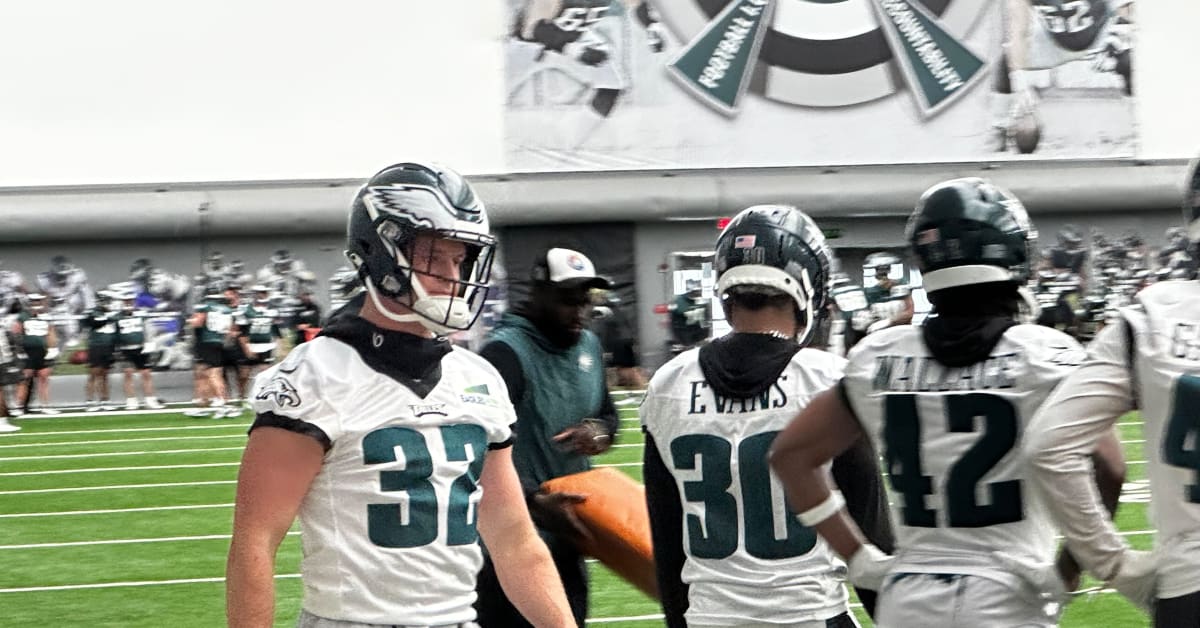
<point>905,373</point>
<point>773,397</point>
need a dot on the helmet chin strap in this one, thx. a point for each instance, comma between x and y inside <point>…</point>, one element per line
<point>426,310</point>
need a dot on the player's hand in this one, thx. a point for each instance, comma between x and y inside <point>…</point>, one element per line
<point>1042,579</point>
<point>589,437</point>
<point>656,36</point>
<point>555,513</point>
<point>868,567</point>
<point>1069,570</point>
<point>1136,578</point>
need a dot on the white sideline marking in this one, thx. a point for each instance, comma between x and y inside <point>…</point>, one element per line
<point>157,467</point>
<point>620,464</point>
<point>218,426</point>
<point>165,539</point>
<point>121,441</point>
<point>34,416</point>
<point>143,583</point>
<point>111,511</point>
<point>121,453</point>
<point>71,489</point>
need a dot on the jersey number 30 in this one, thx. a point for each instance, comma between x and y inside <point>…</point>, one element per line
<point>902,435</point>
<point>1183,428</point>
<point>387,524</point>
<point>715,535</point>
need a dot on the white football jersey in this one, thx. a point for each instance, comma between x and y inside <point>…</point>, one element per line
<point>388,525</point>
<point>951,437</point>
<point>748,558</point>
<point>1166,380</point>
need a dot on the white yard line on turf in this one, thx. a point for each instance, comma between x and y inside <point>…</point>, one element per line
<point>165,539</point>
<point>176,428</point>
<point>36,416</point>
<point>120,441</point>
<point>143,583</point>
<point>121,453</point>
<point>156,467</point>
<point>110,511</point>
<point>72,489</point>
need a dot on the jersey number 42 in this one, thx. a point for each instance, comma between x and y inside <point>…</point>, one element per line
<point>902,435</point>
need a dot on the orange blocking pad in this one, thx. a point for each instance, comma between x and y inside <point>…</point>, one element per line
<point>615,513</point>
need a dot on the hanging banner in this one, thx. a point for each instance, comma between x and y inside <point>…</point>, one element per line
<point>620,84</point>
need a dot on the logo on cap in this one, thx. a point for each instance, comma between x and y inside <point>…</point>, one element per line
<point>575,261</point>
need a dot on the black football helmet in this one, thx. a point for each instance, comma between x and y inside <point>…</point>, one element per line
<point>1070,238</point>
<point>60,269</point>
<point>214,263</point>
<point>969,231</point>
<point>140,269</point>
<point>282,261</point>
<point>881,263</point>
<point>776,248</point>
<point>396,205</point>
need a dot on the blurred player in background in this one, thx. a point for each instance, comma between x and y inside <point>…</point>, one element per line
<point>1149,360</point>
<point>134,357</point>
<point>70,296</point>
<point>101,323</point>
<point>259,335</point>
<point>39,340</point>
<point>890,299</point>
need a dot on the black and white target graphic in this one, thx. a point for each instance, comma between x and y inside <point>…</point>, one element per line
<point>824,53</point>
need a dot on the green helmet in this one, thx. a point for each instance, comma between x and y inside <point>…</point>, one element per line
<point>969,231</point>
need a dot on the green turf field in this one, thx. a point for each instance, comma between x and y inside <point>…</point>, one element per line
<point>122,520</point>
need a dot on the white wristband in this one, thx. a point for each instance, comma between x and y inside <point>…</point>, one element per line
<point>823,510</point>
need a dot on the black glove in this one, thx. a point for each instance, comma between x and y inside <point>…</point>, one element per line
<point>555,513</point>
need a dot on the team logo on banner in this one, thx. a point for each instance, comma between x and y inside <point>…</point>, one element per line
<point>825,53</point>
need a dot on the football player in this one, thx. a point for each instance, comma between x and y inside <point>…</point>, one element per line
<point>1149,360</point>
<point>1045,34</point>
<point>260,335</point>
<point>946,404</point>
<point>101,323</point>
<point>562,35</point>
<point>12,286</point>
<point>728,549</point>
<point>392,445</point>
<point>10,369</point>
<point>131,342</point>
<point>890,301</point>
<point>66,286</point>
<point>40,344</point>
<point>212,321</point>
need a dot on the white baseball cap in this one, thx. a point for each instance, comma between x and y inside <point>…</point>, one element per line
<point>568,268</point>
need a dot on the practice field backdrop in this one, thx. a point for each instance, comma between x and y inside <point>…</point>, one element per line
<point>122,519</point>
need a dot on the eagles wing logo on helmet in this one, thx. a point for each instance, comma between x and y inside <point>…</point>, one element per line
<point>395,200</point>
<point>281,392</point>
